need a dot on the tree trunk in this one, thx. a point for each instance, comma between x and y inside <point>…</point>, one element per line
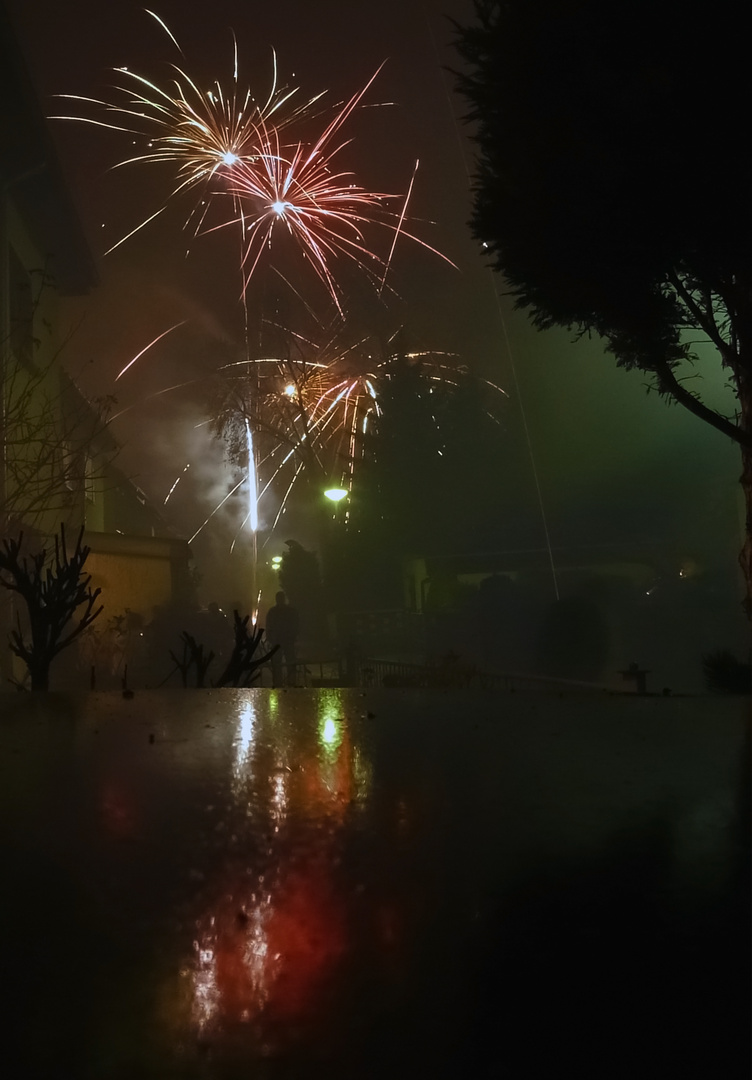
<point>40,675</point>
<point>745,556</point>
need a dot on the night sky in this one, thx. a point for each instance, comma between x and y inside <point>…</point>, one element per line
<point>615,465</point>
<point>332,46</point>
<point>149,284</point>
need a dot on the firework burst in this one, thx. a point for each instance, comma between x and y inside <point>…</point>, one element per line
<point>229,143</point>
<point>246,157</point>
<point>305,414</point>
<point>200,135</point>
<point>311,409</point>
<point>300,189</point>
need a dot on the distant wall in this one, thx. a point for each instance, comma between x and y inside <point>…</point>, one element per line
<point>133,582</point>
<point>138,573</point>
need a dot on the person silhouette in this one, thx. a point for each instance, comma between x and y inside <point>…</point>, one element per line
<point>282,630</point>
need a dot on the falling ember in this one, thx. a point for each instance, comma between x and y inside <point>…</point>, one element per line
<point>177,481</point>
<point>216,509</point>
<point>397,229</point>
<point>149,346</point>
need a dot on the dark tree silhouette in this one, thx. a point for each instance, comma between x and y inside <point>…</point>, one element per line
<point>402,471</point>
<point>725,674</point>
<point>300,578</point>
<point>53,589</point>
<point>423,482</point>
<point>243,666</point>
<point>613,185</point>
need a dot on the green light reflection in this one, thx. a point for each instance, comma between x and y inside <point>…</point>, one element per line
<point>330,721</point>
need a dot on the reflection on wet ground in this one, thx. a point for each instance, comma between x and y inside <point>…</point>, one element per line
<point>274,935</point>
<point>264,883</point>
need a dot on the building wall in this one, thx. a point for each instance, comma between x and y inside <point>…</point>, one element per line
<point>135,583</point>
<point>137,573</point>
<point>56,455</point>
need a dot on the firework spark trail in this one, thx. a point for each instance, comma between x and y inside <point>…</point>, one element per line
<point>166,29</point>
<point>177,481</point>
<point>217,508</point>
<point>388,261</point>
<point>281,510</point>
<point>252,479</point>
<point>159,393</point>
<point>138,228</point>
<point>275,362</point>
<point>146,349</point>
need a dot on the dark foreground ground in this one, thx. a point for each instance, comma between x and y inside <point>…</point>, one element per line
<point>395,884</point>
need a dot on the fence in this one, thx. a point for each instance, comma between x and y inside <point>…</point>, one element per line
<point>450,674</point>
<point>455,675</point>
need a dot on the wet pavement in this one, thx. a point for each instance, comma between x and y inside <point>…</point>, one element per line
<point>226,884</point>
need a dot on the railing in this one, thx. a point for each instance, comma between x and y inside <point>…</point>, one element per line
<point>450,675</point>
<point>313,673</point>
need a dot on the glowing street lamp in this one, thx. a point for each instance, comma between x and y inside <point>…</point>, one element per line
<point>335,494</point>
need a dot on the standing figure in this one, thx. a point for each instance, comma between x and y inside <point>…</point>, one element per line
<point>282,630</point>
